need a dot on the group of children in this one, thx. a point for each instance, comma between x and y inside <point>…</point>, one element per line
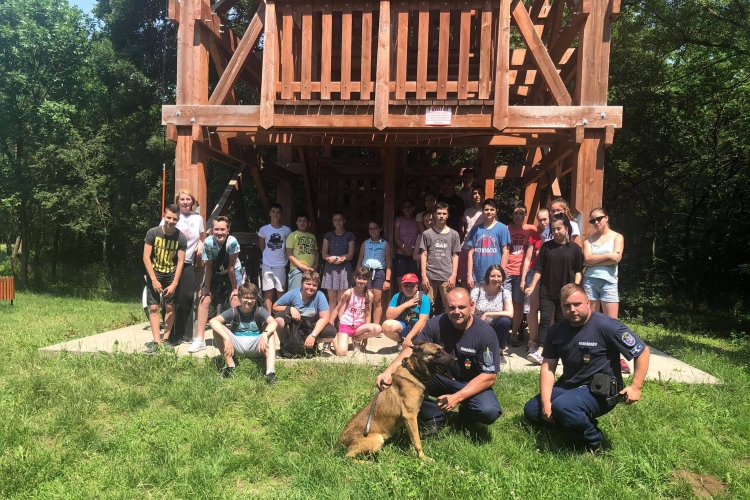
<point>510,270</point>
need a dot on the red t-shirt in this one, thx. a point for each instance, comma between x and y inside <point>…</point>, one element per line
<point>519,241</point>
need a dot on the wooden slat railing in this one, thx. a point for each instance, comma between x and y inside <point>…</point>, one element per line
<point>7,288</point>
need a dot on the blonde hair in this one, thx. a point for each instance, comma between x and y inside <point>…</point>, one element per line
<point>185,191</point>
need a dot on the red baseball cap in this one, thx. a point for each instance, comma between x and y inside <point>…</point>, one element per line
<point>410,278</point>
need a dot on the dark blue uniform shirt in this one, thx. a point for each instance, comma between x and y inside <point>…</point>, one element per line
<point>476,347</point>
<point>592,348</point>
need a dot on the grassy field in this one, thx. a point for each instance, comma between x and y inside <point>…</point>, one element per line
<point>133,426</point>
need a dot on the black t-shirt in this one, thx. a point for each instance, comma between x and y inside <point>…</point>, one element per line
<point>165,248</point>
<point>476,347</point>
<point>592,348</point>
<point>558,265</point>
<point>455,212</point>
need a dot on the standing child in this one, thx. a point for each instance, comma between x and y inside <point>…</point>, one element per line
<point>375,255</point>
<point>353,310</point>
<point>406,231</point>
<point>440,246</point>
<point>302,251</point>
<point>338,251</point>
<point>272,242</point>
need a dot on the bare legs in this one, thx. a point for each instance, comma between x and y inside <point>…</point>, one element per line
<point>377,305</point>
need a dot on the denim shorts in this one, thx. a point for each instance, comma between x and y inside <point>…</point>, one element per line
<point>601,289</point>
<point>513,285</point>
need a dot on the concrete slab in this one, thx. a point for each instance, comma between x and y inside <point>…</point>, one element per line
<point>132,339</point>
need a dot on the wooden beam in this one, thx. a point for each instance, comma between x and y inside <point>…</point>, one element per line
<point>531,201</point>
<point>380,119</point>
<point>236,63</point>
<point>423,48</point>
<point>173,11</point>
<point>258,178</point>
<point>489,171</point>
<point>326,49</point>
<point>366,64</point>
<point>540,55</point>
<point>277,172</point>
<point>402,42</point>
<point>463,54</point>
<point>230,192</point>
<point>485,52</point>
<point>562,150</point>
<point>500,115</point>
<point>268,84</point>
<point>304,165</point>
<point>346,51</point>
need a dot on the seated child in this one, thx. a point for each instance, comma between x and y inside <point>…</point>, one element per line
<point>407,313</point>
<point>244,337</point>
<point>353,310</point>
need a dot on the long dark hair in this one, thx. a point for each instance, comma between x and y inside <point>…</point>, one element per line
<point>494,267</point>
<point>564,219</point>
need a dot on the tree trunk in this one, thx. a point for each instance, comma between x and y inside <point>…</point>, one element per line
<point>55,250</point>
<point>26,247</point>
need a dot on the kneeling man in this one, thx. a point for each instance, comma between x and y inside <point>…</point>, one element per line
<point>589,344</point>
<point>250,332</point>
<point>469,385</point>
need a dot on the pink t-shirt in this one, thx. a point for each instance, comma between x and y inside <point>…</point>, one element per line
<point>519,241</point>
<point>354,314</point>
<point>408,230</point>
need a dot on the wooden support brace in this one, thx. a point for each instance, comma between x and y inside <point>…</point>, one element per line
<point>230,192</point>
<point>562,150</point>
<point>609,135</point>
<point>173,11</point>
<point>502,68</point>
<point>489,172</point>
<point>223,6</point>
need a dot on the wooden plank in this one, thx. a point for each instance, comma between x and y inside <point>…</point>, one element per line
<point>463,54</point>
<point>587,179</point>
<point>552,23</point>
<point>508,171</point>
<point>366,65</point>
<point>258,179</point>
<point>443,47</point>
<point>540,55</point>
<point>561,151</point>
<point>500,115</point>
<point>383,66</point>
<point>423,49</point>
<point>236,63</point>
<point>609,135</point>
<point>287,55</point>
<point>553,181</point>
<point>531,201</point>
<point>346,51</point>
<point>305,165</point>
<point>402,51</point>
<point>267,91</point>
<point>173,11</point>
<point>489,171</point>
<point>307,57</point>
<point>485,52</point>
<point>326,49</point>
<point>232,189</point>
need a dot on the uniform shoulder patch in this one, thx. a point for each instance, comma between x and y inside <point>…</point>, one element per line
<point>487,357</point>
<point>628,339</point>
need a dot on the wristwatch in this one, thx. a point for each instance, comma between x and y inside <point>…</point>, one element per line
<point>313,335</point>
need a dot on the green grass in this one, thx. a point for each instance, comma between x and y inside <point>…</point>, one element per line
<point>133,426</point>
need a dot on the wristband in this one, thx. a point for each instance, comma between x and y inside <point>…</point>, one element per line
<point>313,335</point>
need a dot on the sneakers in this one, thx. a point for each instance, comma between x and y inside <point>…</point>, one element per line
<point>502,360</point>
<point>535,357</point>
<point>226,372</point>
<point>197,345</point>
<point>173,342</point>
<point>624,367</point>
<point>356,346</point>
<point>271,379</point>
<point>514,340</point>
<point>151,347</point>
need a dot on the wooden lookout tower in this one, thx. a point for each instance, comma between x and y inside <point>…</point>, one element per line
<point>391,75</point>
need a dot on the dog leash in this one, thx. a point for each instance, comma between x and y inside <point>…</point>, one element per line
<point>372,413</point>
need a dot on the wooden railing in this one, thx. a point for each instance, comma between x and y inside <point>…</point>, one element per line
<point>7,288</point>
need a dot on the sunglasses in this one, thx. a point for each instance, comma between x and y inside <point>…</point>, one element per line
<point>596,220</point>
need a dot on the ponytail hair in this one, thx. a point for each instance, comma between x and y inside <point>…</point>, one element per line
<point>566,222</point>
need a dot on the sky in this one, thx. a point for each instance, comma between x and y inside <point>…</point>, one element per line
<point>84,5</point>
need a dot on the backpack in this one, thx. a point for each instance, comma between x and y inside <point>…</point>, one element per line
<point>235,324</point>
<point>222,258</point>
<point>292,337</point>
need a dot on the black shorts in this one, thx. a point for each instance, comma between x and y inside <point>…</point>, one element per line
<point>152,298</point>
<point>404,264</point>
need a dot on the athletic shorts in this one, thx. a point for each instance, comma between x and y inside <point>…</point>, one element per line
<point>152,298</point>
<point>405,329</point>
<point>246,346</point>
<point>274,278</point>
<point>513,285</point>
<point>403,264</point>
<point>348,329</point>
<point>601,289</point>
<point>377,279</point>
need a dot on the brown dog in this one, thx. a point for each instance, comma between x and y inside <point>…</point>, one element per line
<point>398,404</point>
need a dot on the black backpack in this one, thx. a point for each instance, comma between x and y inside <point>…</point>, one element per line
<point>235,324</point>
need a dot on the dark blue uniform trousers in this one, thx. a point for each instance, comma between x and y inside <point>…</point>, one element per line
<point>483,408</point>
<point>575,411</point>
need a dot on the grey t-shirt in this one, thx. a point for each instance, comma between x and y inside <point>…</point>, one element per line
<point>440,249</point>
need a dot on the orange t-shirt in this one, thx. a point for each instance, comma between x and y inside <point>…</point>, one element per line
<point>519,241</point>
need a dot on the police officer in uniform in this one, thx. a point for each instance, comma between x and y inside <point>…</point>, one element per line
<point>469,387</point>
<point>589,344</point>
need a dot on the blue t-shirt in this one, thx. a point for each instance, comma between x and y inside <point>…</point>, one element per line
<point>211,251</point>
<point>476,347</point>
<point>247,325</point>
<point>488,247</point>
<point>310,309</point>
<point>592,348</point>
<point>411,316</point>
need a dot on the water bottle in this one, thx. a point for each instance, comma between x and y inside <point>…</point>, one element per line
<point>526,305</point>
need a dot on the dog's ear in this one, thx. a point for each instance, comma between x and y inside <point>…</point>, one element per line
<point>417,343</point>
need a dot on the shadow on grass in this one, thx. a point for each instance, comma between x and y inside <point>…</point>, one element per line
<point>550,439</point>
<point>721,323</point>
<point>738,355</point>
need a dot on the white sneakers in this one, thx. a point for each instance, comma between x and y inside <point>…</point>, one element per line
<point>535,357</point>
<point>197,345</point>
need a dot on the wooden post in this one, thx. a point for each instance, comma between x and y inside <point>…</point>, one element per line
<point>285,190</point>
<point>383,69</point>
<point>591,89</point>
<point>192,88</point>
<point>488,172</point>
<point>389,158</point>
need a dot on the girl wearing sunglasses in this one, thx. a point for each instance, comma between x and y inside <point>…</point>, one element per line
<point>602,252</point>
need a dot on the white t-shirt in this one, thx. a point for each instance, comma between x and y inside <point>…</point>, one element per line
<point>547,234</point>
<point>472,217</point>
<point>274,254</point>
<point>192,227</point>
